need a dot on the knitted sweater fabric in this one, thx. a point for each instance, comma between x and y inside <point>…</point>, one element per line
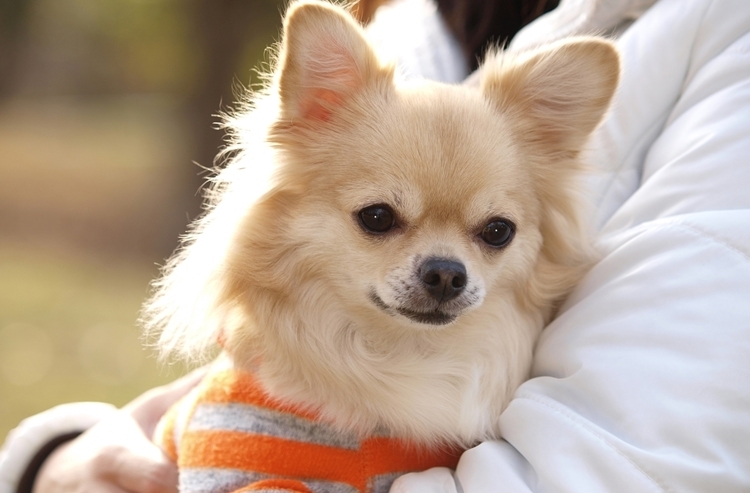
<point>229,435</point>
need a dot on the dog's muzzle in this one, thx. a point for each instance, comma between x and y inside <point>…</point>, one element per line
<point>432,295</point>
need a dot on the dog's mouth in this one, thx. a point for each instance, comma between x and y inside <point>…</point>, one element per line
<point>435,317</point>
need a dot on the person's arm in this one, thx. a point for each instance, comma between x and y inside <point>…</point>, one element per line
<point>35,438</point>
<point>85,447</point>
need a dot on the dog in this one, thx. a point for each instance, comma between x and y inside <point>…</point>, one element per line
<point>377,260</point>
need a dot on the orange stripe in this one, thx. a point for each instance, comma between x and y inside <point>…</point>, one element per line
<point>388,455</point>
<point>244,388</point>
<point>271,455</point>
<point>282,485</point>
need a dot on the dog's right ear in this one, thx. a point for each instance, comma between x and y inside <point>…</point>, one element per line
<point>324,61</point>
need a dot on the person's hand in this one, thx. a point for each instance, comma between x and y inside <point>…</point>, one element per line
<point>117,455</point>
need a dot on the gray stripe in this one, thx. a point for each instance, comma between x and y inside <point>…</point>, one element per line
<point>195,480</point>
<point>198,480</point>
<point>329,487</point>
<point>252,419</point>
<point>382,483</point>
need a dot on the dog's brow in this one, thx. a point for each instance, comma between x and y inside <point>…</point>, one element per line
<point>398,200</point>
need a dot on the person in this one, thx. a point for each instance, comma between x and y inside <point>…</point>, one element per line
<point>85,447</point>
<point>641,383</point>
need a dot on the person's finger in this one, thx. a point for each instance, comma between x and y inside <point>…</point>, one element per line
<point>139,474</point>
<point>61,474</point>
<point>166,394</point>
<point>137,464</point>
<point>150,406</point>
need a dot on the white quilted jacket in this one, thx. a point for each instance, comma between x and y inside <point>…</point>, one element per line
<point>643,382</point>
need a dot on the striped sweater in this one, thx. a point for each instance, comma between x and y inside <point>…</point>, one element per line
<point>228,435</point>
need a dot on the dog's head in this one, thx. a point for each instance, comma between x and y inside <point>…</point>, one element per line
<point>408,231</point>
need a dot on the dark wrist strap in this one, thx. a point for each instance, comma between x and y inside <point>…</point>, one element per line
<point>26,484</point>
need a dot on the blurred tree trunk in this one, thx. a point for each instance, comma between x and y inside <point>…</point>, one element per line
<point>14,21</point>
<point>219,30</point>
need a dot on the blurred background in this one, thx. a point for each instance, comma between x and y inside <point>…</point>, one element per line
<point>105,109</point>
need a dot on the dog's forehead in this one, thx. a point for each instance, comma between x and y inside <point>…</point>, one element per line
<point>440,149</point>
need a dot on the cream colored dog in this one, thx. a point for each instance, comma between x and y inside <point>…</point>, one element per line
<point>385,254</point>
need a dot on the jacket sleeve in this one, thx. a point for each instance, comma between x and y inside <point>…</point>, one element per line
<point>413,35</point>
<point>643,383</point>
<point>32,440</point>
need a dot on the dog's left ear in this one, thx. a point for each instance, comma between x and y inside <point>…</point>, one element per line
<point>324,61</point>
<point>558,93</point>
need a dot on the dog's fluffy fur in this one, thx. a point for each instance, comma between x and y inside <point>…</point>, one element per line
<point>282,270</point>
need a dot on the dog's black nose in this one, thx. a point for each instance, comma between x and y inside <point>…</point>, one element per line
<point>444,279</point>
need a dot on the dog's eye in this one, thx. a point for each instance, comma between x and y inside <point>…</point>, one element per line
<point>498,233</point>
<point>376,218</point>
